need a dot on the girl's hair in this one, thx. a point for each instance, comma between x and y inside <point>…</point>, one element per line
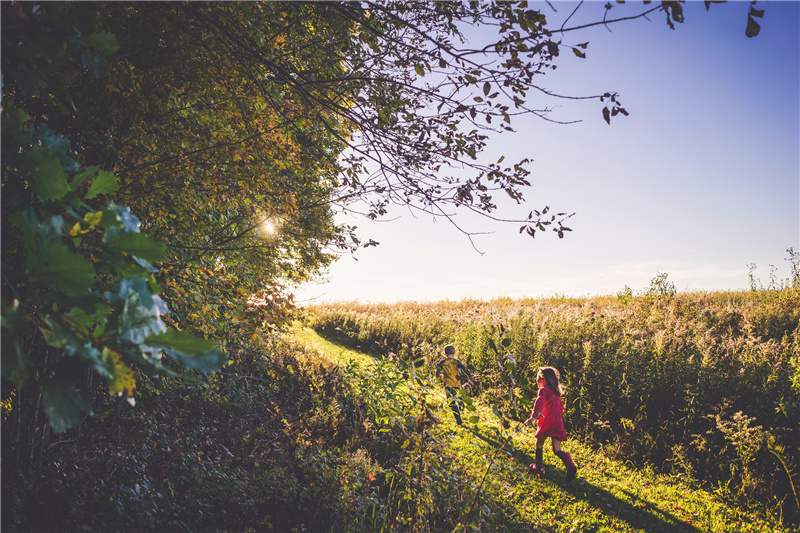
<point>552,379</point>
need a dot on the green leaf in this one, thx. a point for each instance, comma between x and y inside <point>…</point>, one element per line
<point>492,345</point>
<point>52,339</point>
<point>56,142</point>
<point>48,176</point>
<point>191,352</point>
<point>53,264</point>
<point>117,216</point>
<point>83,177</point>
<point>51,229</point>
<point>15,364</point>
<point>145,265</point>
<point>104,42</point>
<point>13,120</point>
<point>29,82</point>
<point>79,319</point>
<point>104,183</point>
<point>141,310</point>
<point>87,352</point>
<point>94,63</point>
<point>123,267</point>
<point>180,340</point>
<point>61,403</point>
<point>139,245</point>
<point>419,70</point>
<point>150,358</point>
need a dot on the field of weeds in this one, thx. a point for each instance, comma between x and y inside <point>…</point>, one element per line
<point>705,385</point>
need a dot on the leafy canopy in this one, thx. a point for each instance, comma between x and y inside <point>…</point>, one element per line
<point>77,271</point>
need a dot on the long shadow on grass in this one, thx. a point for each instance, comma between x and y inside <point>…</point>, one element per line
<point>650,519</point>
<point>341,340</point>
<point>596,497</point>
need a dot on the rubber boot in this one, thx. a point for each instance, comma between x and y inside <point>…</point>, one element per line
<point>537,469</point>
<point>572,470</point>
<point>454,404</point>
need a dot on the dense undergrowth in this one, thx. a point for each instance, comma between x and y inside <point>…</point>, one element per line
<point>247,454</point>
<point>704,384</point>
<point>281,441</point>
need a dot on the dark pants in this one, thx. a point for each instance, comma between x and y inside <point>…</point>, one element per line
<point>455,402</point>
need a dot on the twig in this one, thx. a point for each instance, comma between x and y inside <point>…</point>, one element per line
<point>480,487</point>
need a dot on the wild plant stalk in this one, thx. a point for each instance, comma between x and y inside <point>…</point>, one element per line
<point>788,465</point>
<point>478,490</point>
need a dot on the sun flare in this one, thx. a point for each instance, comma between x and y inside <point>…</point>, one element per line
<point>269,227</point>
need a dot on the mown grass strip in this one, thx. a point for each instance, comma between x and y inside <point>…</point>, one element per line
<point>607,496</point>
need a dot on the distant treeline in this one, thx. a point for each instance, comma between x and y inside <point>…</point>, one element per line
<point>702,384</point>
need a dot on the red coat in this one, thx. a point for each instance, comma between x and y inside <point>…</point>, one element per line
<point>549,405</point>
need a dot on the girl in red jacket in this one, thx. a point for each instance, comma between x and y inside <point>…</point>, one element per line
<point>547,412</point>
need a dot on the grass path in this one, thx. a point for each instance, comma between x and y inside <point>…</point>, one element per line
<point>607,495</point>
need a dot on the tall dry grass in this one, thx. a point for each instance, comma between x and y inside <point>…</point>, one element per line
<point>703,384</point>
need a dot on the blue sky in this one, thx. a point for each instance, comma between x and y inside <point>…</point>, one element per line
<point>700,181</point>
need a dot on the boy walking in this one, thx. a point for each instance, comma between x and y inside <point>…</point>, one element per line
<point>450,368</point>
